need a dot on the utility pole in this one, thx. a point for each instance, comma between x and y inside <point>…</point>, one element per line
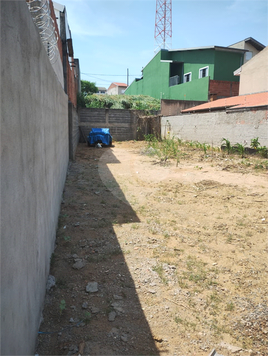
<point>163,25</point>
<point>127,77</point>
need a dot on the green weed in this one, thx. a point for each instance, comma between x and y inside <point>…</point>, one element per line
<point>227,144</point>
<point>160,271</point>
<point>186,323</point>
<point>62,306</point>
<point>62,283</point>
<point>255,143</point>
<point>263,151</point>
<point>241,149</point>
<point>87,317</point>
<point>230,306</point>
<point>196,272</point>
<point>205,148</point>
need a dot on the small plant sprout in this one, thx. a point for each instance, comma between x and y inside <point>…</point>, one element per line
<point>62,306</point>
<point>255,143</point>
<point>160,271</point>
<point>263,151</point>
<point>241,149</point>
<point>230,306</point>
<point>228,145</point>
<point>205,148</point>
<point>87,317</point>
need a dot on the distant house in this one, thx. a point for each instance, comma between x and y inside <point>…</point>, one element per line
<point>102,90</point>
<point>253,74</point>
<point>198,74</point>
<point>116,88</point>
<point>252,46</point>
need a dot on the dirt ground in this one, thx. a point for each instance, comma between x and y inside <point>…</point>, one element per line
<point>156,259</point>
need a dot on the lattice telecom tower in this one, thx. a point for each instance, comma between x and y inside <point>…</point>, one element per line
<point>163,24</point>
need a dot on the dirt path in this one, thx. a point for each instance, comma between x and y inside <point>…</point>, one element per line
<point>159,260</point>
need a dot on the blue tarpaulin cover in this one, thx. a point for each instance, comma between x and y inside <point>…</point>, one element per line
<point>99,136</point>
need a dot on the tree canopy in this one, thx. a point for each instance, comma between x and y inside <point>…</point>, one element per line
<point>88,88</point>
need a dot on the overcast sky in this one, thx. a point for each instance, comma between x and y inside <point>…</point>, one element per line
<point>110,36</point>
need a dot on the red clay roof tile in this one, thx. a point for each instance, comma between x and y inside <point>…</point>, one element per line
<point>120,84</point>
<point>241,101</point>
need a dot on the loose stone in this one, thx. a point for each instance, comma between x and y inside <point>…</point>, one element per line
<point>111,316</point>
<point>92,287</point>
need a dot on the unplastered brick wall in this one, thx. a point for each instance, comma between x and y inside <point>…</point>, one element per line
<point>174,107</point>
<point>123,124</point>
<point>71,82</point>
<point>211,127</point>
<point>223,89</point>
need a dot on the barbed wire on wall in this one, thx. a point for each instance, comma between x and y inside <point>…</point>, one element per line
<point>41,15</point>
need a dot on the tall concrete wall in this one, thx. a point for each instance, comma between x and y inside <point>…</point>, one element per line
<point>211,127</point>
<point>34,160</point>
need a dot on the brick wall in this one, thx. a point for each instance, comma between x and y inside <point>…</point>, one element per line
<point>222,89</point>
<point>123,124</point>
<point>174,107</point>
<point>71,84</point>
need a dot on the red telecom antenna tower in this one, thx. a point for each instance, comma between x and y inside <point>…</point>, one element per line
<point>163,24</point>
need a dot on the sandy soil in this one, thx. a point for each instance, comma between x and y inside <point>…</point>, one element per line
<point>159,260</point>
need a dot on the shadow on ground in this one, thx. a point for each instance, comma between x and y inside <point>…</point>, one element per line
<point>109,321</point>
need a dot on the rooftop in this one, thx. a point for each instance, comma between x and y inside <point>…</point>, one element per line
<point>120,84</point>
<point>259,46</point>
<point>219,48</point>
<point>235,102</point>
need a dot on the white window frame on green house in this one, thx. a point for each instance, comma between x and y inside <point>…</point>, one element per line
<point>201,72</point>
<point>187,76</point>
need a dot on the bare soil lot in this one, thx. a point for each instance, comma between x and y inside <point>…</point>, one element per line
<point>159,260</point>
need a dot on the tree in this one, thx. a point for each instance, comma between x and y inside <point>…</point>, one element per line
<point>87,88</point>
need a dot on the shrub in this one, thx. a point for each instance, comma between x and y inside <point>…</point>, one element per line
<point>132,102</point>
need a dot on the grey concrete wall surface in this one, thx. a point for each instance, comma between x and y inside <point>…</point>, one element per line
<point>212,127</point>
<point>34,161</point>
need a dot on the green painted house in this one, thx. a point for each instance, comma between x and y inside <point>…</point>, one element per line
<point>200,74</point>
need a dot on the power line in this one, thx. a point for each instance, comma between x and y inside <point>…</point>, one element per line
<point>102,80</point>
<point>111,75</point>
